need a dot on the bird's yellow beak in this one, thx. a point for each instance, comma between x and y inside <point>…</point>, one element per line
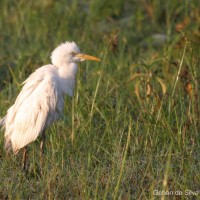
<point>87,57</point>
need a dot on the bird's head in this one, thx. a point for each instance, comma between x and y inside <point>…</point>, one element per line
<point>69,52</point>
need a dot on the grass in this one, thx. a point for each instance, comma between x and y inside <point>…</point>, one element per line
<point>123,136</point>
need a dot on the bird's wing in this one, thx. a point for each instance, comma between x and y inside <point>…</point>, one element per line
<point>26,119</point>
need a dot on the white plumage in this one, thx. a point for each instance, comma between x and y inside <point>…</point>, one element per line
<point>41,100</point>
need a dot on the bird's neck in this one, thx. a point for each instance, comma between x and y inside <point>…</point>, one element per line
<point>68,71</point>
<point>67,74</point>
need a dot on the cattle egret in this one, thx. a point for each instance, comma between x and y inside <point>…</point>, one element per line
<point>41,100</point>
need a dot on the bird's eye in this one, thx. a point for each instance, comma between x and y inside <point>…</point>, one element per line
<point>73,53</point>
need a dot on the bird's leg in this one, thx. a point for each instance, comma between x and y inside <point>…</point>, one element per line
<point>42,142</point>
<point>24,158</point>
<point>42,148</point>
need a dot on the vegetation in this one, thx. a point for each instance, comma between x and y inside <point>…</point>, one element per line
<point>132,129</point>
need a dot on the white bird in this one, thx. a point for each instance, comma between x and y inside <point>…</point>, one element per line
<point>41,100</point>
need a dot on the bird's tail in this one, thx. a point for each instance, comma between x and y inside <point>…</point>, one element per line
<point>8,144</point>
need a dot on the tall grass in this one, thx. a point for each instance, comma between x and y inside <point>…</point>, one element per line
<point>110,143</point>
